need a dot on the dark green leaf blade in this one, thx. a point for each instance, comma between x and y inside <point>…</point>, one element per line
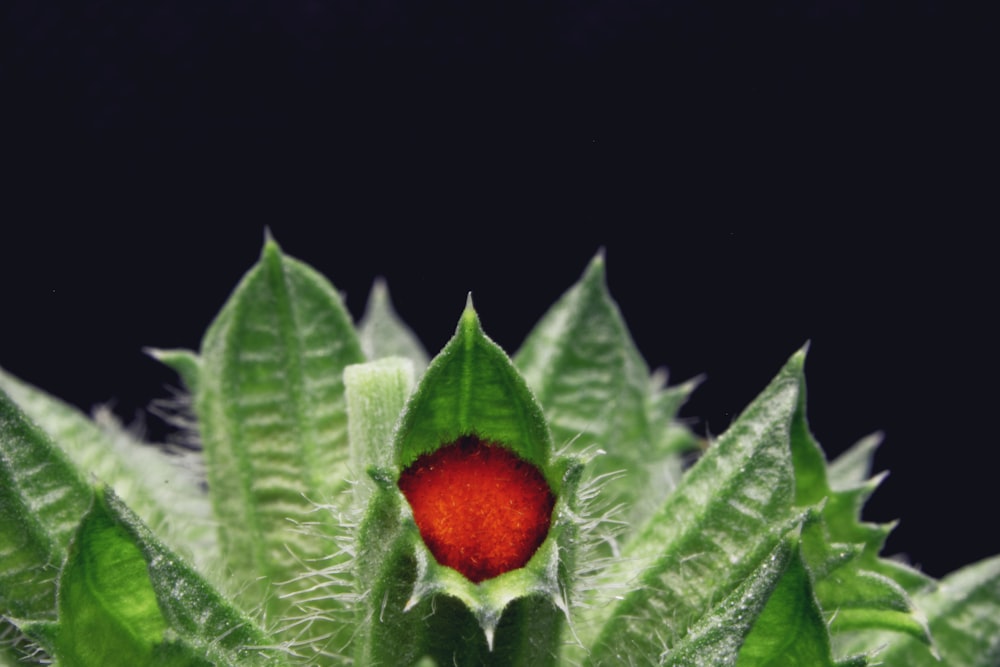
<point>472,388</point>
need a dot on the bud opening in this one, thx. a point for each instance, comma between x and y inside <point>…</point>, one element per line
<point>480,508</point>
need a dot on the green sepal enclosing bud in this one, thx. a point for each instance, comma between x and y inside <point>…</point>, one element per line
<point>471,401</point>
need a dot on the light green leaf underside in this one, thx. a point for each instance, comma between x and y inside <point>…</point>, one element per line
<point>376,393</point>
<point>595,388</point>
<point>726,516</point>
<point>42,499</point>
<point>384,334</point>
<point>964,618</point>
<point>272,415</point>
<point>162,488</point>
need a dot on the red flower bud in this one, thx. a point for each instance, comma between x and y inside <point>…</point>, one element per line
<point>480,509</point>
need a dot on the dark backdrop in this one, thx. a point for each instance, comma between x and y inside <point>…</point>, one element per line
<point>760,174</point>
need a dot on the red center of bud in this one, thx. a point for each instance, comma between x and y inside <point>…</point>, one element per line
<point>480,509</point>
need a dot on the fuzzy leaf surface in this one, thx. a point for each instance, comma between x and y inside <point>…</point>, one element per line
<point>42,499</point>
<point>196,613</point>
<point>117,607</point>
<point>16,648</point>
<point>424,609</point>
<point>376,394</point>
<point>108,612</point>
<point>272,414</point>
<point>963,613</point>
<point>769,619</point>
<point>584,368</point>
<point>791,630</point>
<point>155,484</point>
<point>723,521</point>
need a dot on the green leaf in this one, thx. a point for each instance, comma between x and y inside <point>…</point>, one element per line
<point>384,334</point>
<point>770,619</point>
<point>162,488</point>
<point>853,467</point>
<point>108,612</point>
<point>42,499</point>
<point>376,394</point>
<point>473,388</point>
<point>964,619</point>
<point>186,363</point>
<point>721,523</point>
<point>272,415</point>
<point>855,588</point>
<point>197,614</point>
<point>416,607</point>
<point>125,599</point>
<point>791,630</point>
<point>595,388</point>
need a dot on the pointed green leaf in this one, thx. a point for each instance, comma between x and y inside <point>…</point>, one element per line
<point>272,416</point>
<point>853,468</point>
<point>424,608</point>
<point>125,599</point>
<point>727,515</point>
<point>472,388</point>
<point>165,493</point>
<point>384,334</point>
<point>770,619</point>
<point>595,388</point>
<point>964,618</point>
<point>791,630</point>
<point>185,362</point>
<point>42,499</point>
<point>108,612</point>
<point>195,612</point>
<point>855,588</point>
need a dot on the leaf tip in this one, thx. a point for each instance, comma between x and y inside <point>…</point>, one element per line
<point>185,363</point>
<point>379,291</point>
<point>797,362</point>
<point>596,267</point>
<point>271,247</point>
<point>470,319</point>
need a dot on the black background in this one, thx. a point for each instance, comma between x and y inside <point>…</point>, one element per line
<point>760,175</point>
